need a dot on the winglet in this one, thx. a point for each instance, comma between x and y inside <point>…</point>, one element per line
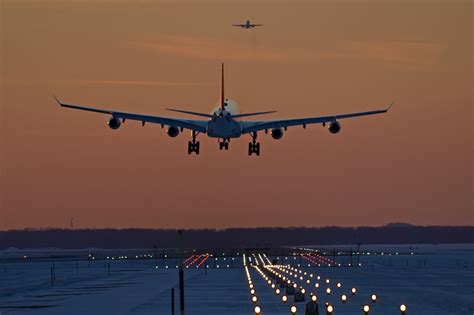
<point>57,100</point>
<point>390,106</point>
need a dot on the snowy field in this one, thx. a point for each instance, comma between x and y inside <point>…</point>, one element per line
<point>429,279</point>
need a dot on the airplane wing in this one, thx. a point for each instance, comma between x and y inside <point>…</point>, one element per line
<point>252,126</point>
<point>240,25</point>
<point>196,125</point>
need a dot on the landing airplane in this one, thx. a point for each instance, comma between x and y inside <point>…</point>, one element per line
<point>247,25</point>
<point>224,122</point>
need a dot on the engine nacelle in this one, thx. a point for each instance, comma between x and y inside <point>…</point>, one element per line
<point>114,123</point>
<point>172,131</point>
<point>334,127</point>
<point>277,133</point>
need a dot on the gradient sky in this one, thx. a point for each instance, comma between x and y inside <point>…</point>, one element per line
<point>311,58</point>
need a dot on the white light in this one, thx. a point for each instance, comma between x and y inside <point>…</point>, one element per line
<point>252,291</point>
<point>328,291</point>
<point>284,298</point>
<point>314,298</point>
<point>403,308</point>
<point>303,291</point>
<point>339,285</point>
<point>316,285</point>
<point>254,299</point>
<point>344,298</point>
<point>327,281</point>
<point>330,308</point>
<point>366,308</point>
<point>353,290</point>
<point>374,298</point>
<point>277,291</point>
<point>293,309</point>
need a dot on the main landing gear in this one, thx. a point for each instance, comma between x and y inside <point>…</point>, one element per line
<point>254,146</point>
<point>193,146</point>
<point>224,144</point>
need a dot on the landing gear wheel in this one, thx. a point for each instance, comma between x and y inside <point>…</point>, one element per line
<point>224,145</point>
<point>193,147</point>
<point>254,147</point>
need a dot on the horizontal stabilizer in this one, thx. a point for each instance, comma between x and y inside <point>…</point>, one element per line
<point>253,114</point>
<point>190,113</point>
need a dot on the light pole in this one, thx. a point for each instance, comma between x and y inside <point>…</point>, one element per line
<point>181,272</point>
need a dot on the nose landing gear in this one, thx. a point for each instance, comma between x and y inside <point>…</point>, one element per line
<point>224,144</point>
<point>193,146</point>
<point>254,146</point>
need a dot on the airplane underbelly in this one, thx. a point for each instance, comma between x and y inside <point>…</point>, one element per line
<point>221,128</point>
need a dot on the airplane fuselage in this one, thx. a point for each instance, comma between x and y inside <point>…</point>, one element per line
<point>224,126</point>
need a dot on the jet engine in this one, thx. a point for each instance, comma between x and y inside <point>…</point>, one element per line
<point>334,127</point>
<point>172,131</point>
<point>277,133</point>
<point>114,123</point>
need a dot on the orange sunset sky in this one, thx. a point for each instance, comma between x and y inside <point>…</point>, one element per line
<point>311,58</point>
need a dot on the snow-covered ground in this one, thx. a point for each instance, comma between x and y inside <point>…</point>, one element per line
<point>435,279</point>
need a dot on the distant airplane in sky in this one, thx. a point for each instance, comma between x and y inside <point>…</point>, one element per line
<point>224,122</point>
<point>247,25</point>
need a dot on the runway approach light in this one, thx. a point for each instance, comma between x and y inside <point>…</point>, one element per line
<point>403,309</point>
<point>316,285</point>
<point>254,299</point>
<point>252,291</point>
<point>327,281</point>
<point>344,298</point>
<point>366,309</point>
<point>314,298</point>
<point>284,299</point>
<point>293,309</point>
<point>257,309</point>
<point>339,285</point>
<point>328,291</point>
<point>354,291</point>
<point>277,291</point>
<point>373,298</point>
<point>329,309</point>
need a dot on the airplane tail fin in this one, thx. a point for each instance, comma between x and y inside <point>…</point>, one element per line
<point>222,98</point>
